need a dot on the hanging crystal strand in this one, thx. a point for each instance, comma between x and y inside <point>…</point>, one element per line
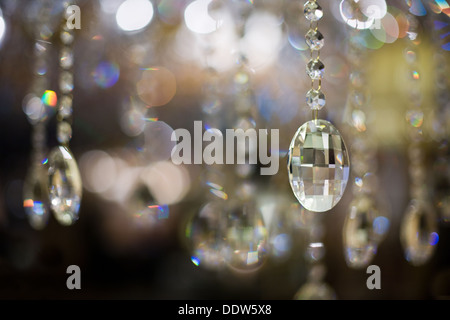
<point>419,226</point>
<point>37,106</point>
<point>142,122</point>
<point>206,229</point>
<point>65,186</point>
<point>365,225</point>
<point>318,163</point>
<point>315,287</point>
<point>441,126</point>
<point>245,231</point>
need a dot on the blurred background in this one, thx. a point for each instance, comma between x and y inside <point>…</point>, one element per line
<point>150,229</point>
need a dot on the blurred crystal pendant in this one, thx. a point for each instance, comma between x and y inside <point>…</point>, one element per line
<point>245,237</point>
<point>360,237</point>
<point>318,165</point>
<point>419,232</point>
<point>35,197</point>
<point>65,187</point>
<point>315,288</point>
<point>205,233</point>
<point>277,216</point>
<point>145,210</point>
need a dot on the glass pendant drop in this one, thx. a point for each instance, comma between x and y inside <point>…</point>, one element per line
<point>205,233</point>
<point>245,236</point>
<point>419,232</point>
<point>360,234</point>
<point>65,188</point>
<point>144,208</point>
<point>318,165</point>
<point>35,198</point>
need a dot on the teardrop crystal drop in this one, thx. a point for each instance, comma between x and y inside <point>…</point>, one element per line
<point>360,240</point>
<point>205,232</point>
<point>245,236</point>
<point>419,232</point>
<point>35,198</point>
<point>65,188</point>
<point>318,165</point>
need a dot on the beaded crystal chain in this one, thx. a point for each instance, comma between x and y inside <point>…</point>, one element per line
<point>37,105</point>
<point>65,186</point>
<point>315,68</point>
<point>419,225</point>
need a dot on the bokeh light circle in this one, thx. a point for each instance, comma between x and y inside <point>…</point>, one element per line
<point>197,18</point>
<point>134,15</point>
<point>158,143</point>
<point>157,86</point>
<point>98,171</point>
<point>106,74</point>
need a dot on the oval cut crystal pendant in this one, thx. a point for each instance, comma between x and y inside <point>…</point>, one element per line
<point>419,232</point>
<point>318,165</point>
<point>360,237</point>
<point>65,188</point>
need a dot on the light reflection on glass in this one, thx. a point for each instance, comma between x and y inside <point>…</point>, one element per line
<point>49,98</point>
<point>416,7</point>
<point>444,6</point>
<point>381,225</point>
<point>157,86</point>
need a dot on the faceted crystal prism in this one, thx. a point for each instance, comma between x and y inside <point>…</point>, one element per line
<point>65,107</point>
<point>312,11</point>
<point>65,188</point>
<point>314,39</point>
<point>66,58</point>
<point>360,238</point>
<point>35,198</point>
<point>64,132</point>
<point>315,69</point>
<point>66,82</point>
<point>315,99</point>
<point>66,38</point>
<point>318,165</point>
<point>419,232</point>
